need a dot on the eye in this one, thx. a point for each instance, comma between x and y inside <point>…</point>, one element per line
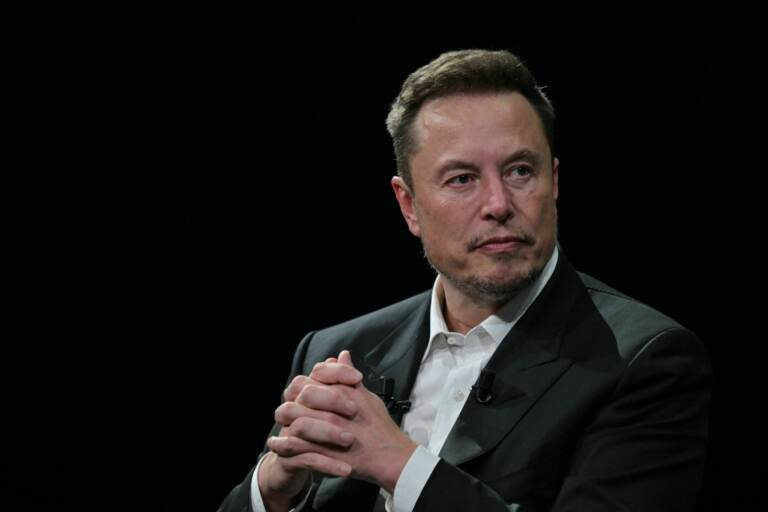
<point>520,171</point>
<point>461,179</point>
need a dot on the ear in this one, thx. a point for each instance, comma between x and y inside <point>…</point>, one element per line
<point>405,200</point>
<point>555,176</point>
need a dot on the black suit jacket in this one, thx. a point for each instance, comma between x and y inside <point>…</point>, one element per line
<point>600,403</point>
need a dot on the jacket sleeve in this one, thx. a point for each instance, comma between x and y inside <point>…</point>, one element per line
<point>239,498</point>
<point>644,450</point>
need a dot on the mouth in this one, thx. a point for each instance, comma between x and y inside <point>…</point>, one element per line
<point>500,244</point>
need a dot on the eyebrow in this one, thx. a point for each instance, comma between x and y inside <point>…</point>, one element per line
<point>524,154</point>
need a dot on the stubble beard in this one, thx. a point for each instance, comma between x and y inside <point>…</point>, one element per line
<point>493,292</point>
<point>489,292</point>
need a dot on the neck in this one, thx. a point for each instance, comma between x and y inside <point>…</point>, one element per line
<point>462,312</point>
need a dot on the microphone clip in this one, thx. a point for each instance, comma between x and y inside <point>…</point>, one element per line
<point>386,393</point>
<point>482,390</point>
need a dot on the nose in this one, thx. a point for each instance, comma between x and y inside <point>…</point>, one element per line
<point>497,203</point>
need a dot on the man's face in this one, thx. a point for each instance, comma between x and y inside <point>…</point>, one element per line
<point>484,192</point>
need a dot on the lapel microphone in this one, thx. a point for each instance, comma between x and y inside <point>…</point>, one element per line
<point>386,393</point>
<point>482,390</point>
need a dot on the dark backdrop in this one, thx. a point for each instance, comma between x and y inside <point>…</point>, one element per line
<point>239,197</point>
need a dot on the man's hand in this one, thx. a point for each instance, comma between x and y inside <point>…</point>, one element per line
<point>328,421</point>
<point>283,479</point>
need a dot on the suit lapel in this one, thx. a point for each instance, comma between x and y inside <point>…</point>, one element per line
<point>527,363</point>
<point>399,355</point>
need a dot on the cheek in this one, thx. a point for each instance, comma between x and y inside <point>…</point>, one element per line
<point>540,207</point>
<point>547,220</point>
<point>444,236</point>
<point>446,226</point>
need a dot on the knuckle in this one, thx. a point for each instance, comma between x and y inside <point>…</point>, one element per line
<point>282,413</point>
<point>309,393</point>
<point>300,425</point>
<point>291,391</point>
<point>289,447</point>
<point>275,446</point>
<point>294,387</point>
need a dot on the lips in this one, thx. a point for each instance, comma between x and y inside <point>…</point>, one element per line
<point>501,244</point>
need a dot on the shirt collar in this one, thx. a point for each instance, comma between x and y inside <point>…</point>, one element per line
<point>498,324</point>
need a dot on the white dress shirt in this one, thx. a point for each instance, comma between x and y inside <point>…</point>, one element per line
<point>451,365</point>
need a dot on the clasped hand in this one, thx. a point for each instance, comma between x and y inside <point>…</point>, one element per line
<point>333,425</point>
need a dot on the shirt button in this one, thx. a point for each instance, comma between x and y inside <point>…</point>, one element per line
<point>458,395</point>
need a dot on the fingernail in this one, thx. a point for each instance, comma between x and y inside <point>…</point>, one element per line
<point>345,468</point>
<point>350,406</point>
<point>358,375</point>
<point>347,437</point>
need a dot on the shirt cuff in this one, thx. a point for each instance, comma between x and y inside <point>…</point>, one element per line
<point>257,504</point>
<point>412,479</point>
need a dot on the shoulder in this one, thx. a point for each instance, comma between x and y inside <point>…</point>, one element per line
<point>619,309</point>
<point>634,325</point>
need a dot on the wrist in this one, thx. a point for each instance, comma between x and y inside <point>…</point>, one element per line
<point>280,491</point>
<point>392,470</point>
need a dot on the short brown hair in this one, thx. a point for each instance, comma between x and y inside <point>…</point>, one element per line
<point>463,71</point>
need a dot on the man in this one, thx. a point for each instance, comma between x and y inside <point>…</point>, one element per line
<point>590,400</point>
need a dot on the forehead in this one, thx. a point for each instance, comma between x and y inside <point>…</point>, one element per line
<point>493,118</point>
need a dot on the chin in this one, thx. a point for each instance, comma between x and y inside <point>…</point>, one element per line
<point>512,270</point>
<point>496,287</point>
<point>514,280</point>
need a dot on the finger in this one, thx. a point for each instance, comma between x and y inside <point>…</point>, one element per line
<point>292,446</point>
<point>346,358</point>
<point>318,432</point>
<point>314,461</point>
<point>327,398</point>
<point>321,432</point>
<point>288,412</point>
<point>336,373</point>
<point>295,387</point>
<point>331,360</point>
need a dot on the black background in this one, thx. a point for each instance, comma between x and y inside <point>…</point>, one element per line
<point>236,196</point>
